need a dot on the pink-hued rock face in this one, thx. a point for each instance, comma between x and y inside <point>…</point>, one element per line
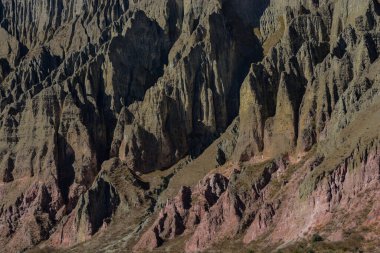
<point>32,215</point>
<point>184,212</point>
<point>337,193</point>
<point>209,221</point>
<point>220,222</point>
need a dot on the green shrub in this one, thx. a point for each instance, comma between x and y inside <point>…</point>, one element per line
<point>316,238</point>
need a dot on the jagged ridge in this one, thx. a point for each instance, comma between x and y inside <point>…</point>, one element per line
<point>131,101</point>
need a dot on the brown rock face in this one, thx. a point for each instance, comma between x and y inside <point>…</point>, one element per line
<point>191,126</point>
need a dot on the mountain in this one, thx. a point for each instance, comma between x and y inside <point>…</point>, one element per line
<point>189,125</point>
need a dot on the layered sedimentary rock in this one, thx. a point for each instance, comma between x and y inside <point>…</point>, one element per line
<point>260,116</point>
<point>300,99</point>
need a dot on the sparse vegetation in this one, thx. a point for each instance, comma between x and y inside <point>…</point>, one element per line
<point>316,238</point>
<point>274,38</point>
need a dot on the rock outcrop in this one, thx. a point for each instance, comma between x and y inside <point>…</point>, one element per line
<point>107,108</point>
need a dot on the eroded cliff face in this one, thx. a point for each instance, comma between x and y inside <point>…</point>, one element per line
<point>188,125</point>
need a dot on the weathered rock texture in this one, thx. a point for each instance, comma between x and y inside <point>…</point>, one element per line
<point>108,107</point>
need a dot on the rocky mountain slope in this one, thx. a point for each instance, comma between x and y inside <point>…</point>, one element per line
<point>189,125</point>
